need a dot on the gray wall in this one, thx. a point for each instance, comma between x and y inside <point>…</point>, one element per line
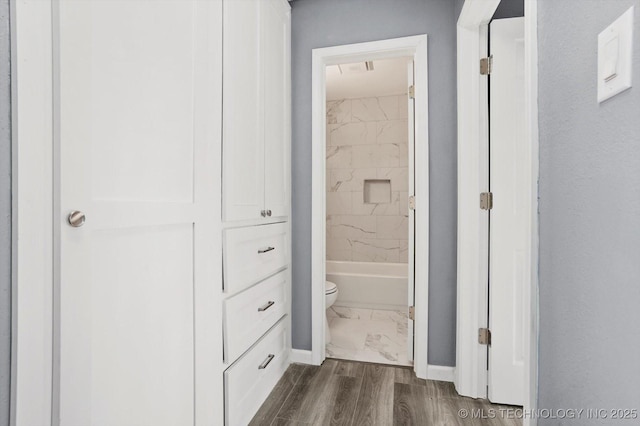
<point>509,9</point>
<point>458,9</point>
<point>325,23</point>
<point>5,215</point>
<point>589,216</point>
<point>506,9</point>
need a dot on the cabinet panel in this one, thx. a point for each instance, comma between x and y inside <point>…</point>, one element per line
<point>243,116</point>
<point>252,254</point>
<point>277,99</point>
<point>251,313</point>
<point>249,381</point>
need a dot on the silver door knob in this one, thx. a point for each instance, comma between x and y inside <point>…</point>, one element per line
<point>269,213</point>
<point>76,219</point>
<point>263,213</point>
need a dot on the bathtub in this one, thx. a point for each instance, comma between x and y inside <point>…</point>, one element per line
<point>369,285</point>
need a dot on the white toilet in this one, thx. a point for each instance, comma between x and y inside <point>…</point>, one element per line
<point>330,296</point>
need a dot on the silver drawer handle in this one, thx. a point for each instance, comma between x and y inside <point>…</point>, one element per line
<point>266,362</point>
<point>267,250</point>
<point>267,306</point>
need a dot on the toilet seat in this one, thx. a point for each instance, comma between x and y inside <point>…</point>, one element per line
<point>330,288</point>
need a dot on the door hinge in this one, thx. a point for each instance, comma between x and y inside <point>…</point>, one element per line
<point>412,313</point>
<point>412,92</point>
<point>484,336</point>
<point>486,201</point>
<point>412,202</point>
<point>486,65</point>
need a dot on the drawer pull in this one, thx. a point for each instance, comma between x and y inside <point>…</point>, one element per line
<point>267,250</point>
<point>266,362</point>
<point>266,306</point>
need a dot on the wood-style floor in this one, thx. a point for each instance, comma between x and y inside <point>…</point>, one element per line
<point>354,393</point>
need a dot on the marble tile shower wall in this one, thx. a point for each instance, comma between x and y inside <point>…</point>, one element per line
<point>367,139</point>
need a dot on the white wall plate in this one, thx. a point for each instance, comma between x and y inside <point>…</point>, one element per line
<point>615,56</point>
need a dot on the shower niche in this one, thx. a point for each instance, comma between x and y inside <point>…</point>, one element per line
<point>377,191</point>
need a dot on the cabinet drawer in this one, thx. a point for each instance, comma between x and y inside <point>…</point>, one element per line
<point>252,254</point>
<point>248,315</point>
<point>249,381</point>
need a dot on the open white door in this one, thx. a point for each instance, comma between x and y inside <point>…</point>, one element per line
<point>509,245</point>
<point>137,106</point>
<point>411,212</point>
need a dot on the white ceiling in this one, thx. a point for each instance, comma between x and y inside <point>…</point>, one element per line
<point>389,77</point>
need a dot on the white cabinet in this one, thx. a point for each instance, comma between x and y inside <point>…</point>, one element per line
<point>242,115</point>
<point>250,380</point>
<point>251,254</point>
<point>251,313</point>
<point>256,161</point>
<point>277,111</point>
<point>256,109</point>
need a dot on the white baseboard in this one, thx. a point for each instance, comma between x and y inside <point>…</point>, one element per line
<point>441,373</point>
<point>301,357</point>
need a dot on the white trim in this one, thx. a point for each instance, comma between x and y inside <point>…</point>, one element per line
<point>32,181</point>
<point>470,372</point>
<point>415,46</point>
<point>299,356</point>
<point>531,108</point>
<point>476,13</point>
<point>441,373</point>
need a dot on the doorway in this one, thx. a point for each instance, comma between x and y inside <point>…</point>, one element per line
<point>370,241</point>
<point>506,370</point>
<point>413,50</point>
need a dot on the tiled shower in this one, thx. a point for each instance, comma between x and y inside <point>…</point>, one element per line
<point>367,179</point>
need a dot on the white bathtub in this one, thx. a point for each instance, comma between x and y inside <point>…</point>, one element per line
<point>369,285</point>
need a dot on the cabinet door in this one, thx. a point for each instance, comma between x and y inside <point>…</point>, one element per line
<point>138,326</point>
<point>277,100</point>
<point>243,144</point>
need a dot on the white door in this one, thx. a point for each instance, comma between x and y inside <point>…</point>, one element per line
<point>509,242</point>
<point>277,124</point>
<point>411,213</point>
<point>137,113</point>
<point>243,117</point>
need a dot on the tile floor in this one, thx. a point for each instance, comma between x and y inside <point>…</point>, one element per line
<point>368,335</point>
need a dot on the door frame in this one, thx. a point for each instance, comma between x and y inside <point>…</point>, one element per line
<point>35,229</point>
<point>473,236</point>
<point>32,124</point>
<point>415,46</point>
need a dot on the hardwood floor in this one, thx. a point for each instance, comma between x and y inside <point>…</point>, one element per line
<point>354,393</point>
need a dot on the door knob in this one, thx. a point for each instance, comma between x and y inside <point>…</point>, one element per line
<point>76,219</point>
<point>269,213</point>
<point>263,213</point>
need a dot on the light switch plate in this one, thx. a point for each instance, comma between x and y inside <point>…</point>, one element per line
<point>615,56</point>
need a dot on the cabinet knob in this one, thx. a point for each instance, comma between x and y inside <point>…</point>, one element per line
<point>263,213</point>
<point>76,218</point>
<point>269,213</point>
